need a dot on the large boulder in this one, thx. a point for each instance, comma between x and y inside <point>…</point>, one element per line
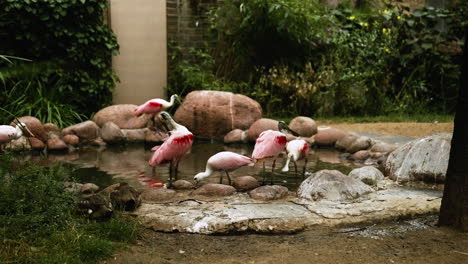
<point>269,192</point>
<point>369,175</point>
<point>259,126</point>
<point>35,126</point>
<point>421,159</point>
<point>332,185</point>
<point>86,131</point>
<point>212,114</point>
<point>304,126</point>
<point>121,115</point>
<point>327,136</point>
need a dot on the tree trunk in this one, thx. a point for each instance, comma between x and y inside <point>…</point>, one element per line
<point>454,208</point>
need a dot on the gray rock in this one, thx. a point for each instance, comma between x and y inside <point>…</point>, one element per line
<point>135,135</point>
<point>368,175</point>
<point>215,189</point>
<point>224,110</point>
<point>122,115</point>
<point>332,185</point>
<point>183,185</point>
<point>157,195</point>
<point>345,142</point>
<point>123,196</point>
<point>327,136</point>
<point>421,159</point>
<point>245,183</point>
<point>89,188</point>
<point>71,139</point>
<point>235,136</point>
<point>269,192</point>
<point>56,144</point>
<point>361,155</point>
<point>87,130</point>
<point>111,133</point>
<point>304,126</point>
<point>360,143</point>
<point>383,147</point>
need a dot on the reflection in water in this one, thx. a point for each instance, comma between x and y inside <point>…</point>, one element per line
<point>130,164</point>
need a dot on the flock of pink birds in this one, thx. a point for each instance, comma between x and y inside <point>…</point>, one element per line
<point>268,145</point>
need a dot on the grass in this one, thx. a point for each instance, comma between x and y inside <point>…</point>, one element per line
<point>384,118</point>
<point>39,224</point>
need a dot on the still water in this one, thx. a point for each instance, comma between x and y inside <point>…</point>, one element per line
<point>105,166</point>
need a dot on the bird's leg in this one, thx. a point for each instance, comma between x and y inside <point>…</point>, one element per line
<point>303,170</point>
<point>295,167</point>
<point>272,171</point>
<point>170,174</point>
<point>229,178</point>
<point>263,173</point>
<point>221,178</point>
<point>176,170</point>
<point>153,171</point>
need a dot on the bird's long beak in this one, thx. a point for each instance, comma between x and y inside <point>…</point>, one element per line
<point>24,128</point>
<point>292,131</point>
<point>178,100</point>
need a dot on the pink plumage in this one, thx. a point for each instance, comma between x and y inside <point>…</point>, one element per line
<point>228,161</point>
<point>7,133</point>
<point>269,144</point>
<point>154,106</point>
<point>173,149</point>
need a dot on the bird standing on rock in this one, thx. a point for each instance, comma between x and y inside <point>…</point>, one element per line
<point>173,148</point>
<point>155,106</point>
<point>226,161</point>
<point>8,133</point>
<point>270,144</point>
<point>297,149</point>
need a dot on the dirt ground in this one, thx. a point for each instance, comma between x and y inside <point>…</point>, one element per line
<point>394,242</point>
<point>409,241</point>
<point>402,129</point>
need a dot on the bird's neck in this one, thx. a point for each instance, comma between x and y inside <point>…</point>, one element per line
<point>19,132</point>
<point>172,100</point>
<point>202,175</point>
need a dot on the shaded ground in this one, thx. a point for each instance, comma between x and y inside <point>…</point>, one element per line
<point>410,241</point>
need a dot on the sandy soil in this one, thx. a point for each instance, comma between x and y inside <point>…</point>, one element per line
<point>392,242</point>
<point>402,129</point>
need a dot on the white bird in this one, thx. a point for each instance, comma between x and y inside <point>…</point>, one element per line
<point>8,133</point>
<point>226,161</point>
<point>297,149</point>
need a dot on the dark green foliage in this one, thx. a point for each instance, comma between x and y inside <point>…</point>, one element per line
<point>296,57</point>
<point>71,40</point>
<point>38,220</point>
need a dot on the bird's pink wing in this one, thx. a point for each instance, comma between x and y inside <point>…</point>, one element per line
<point>152,106</point>
<point>229,161</point>
<point>173,149</point>
<point>269,144</point>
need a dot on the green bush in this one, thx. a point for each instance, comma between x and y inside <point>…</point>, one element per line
<point>72,38</point>
<point>38,220</point>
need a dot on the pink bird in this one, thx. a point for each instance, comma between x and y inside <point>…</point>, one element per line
<point>270,144</point>
<point>173,148</point>
<point>8,133</point>
<point>226,161</point>
<point>155,106</point>
<point>297,149</point>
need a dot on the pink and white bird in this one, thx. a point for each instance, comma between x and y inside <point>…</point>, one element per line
<point>226,161</point>
<point>155,106</point>
<point>8,133</point>
<point>270,144</point>
<point>297,149</point>
<point>173,148</point>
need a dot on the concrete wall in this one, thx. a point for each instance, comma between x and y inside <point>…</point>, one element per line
<point>140,26</point>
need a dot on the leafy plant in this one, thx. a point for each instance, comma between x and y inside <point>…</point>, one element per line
<point>73,37</point>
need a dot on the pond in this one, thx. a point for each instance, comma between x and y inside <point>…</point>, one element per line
<point>129,163</point>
